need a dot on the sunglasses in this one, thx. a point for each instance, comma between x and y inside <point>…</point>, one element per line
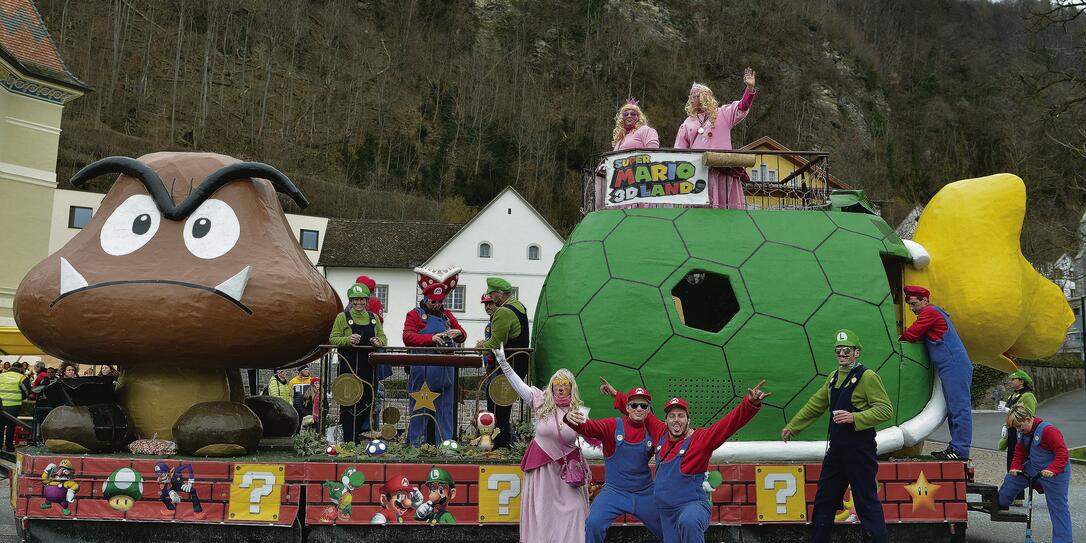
<point>638,405</point>
<point>560,381</point>
<point>629,114</point>
<point>844,350</point>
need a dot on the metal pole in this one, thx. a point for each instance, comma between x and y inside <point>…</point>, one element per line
<point>1082,332</point>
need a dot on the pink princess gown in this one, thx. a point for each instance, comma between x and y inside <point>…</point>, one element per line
<point>725,188</point>
<point>550,510</point>
<point>644,137</point>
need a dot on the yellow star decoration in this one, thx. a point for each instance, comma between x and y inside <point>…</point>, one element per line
<point>425,398</point>
<point>923,493</point>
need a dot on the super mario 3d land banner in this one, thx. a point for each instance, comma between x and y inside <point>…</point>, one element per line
<point>656,177</point>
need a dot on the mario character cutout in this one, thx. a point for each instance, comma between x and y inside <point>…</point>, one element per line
<point>58,486</point>
<point>173,480</point>
<point>398,497</point>
<point>340,495</point>
<point>441,489</point>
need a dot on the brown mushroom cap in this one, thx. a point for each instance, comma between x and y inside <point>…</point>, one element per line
<point>158,305</point>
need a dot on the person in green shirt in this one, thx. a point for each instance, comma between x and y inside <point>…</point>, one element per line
<point>279,387</point>
<point>1023,395</point>
<point>356,327</point>
<point>508,328</point>
<point>858,403</point>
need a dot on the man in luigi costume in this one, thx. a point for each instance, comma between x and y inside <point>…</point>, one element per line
<point>439,489</point>
<point>357,327</point>
<point>508,327</point>
<point>858,403</point>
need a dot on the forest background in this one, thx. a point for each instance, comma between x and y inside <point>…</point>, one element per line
<point>424,110</point>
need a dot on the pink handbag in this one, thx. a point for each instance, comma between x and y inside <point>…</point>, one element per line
<point>574,472</point>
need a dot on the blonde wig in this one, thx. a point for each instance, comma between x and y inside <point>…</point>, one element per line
<point>705,101</point>
<point>1017,415</point>
<point>620,130</point>
<point>548,406</point>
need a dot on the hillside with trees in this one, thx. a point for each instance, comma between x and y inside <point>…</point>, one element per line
<point>426,109</point>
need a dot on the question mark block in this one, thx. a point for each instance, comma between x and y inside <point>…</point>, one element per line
<point>499,494</point>
<point>780,493</point>
<point>255,492</point>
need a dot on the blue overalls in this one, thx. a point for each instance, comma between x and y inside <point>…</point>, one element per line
<point>956,372</point>
<point>355,419</point>
<point>684,511</point>
<point>627,488</point>
<point>850,459</point>
<point>1056,488</point>
<point>440,379</point>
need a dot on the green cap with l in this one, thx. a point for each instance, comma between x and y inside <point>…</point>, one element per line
<point>358,290</point>
<point>497,284</point>
<point>1021,374</point>
<point>847,338</point>
<point>439,475</point>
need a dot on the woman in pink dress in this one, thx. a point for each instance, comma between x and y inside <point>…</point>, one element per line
<point>632,131</point>
<point>551,511</point>
<point>709,126</point>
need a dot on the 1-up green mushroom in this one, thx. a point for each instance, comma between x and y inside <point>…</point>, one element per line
<point>123,488</point>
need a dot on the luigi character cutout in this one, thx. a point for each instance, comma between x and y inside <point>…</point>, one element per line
<point>187,272</point>
<point>340,494</point>
<point>58,486</point>
<point>441,489</point>
<point>398,498</point>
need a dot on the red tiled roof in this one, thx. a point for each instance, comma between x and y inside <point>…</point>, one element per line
<point>25,40</point>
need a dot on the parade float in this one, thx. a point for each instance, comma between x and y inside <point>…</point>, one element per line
<point>653,288</point>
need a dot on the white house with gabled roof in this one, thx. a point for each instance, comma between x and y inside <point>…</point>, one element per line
<point>507,238</point>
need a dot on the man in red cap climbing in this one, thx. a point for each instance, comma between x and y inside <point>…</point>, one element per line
<point>947,353</point>
<point>682,458</point>
<point>627,447</point>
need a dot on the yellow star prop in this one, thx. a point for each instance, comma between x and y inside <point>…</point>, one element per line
<point>425,398</point>
<point>923,493</point>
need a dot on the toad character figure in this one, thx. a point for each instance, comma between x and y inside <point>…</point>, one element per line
<point>187,272</point>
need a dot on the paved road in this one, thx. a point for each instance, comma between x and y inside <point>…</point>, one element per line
<point>7,515</point>
<point>1066,411</point>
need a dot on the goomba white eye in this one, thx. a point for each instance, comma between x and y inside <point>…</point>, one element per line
<point>131,225</point>
<point>212,230</point>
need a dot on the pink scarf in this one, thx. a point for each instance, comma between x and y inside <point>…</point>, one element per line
<point>563,402</point>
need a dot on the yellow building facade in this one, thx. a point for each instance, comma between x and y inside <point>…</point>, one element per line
<point>34,87</point>
<point>787,179</point>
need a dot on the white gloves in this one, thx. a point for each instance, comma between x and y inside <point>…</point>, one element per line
<point>424,509</point>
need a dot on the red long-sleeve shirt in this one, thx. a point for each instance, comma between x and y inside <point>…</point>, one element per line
<point>413,323</point>
<point>703,442</point>
<point>604,430</point>
<point>929,322</point>
<point>1051,440</point>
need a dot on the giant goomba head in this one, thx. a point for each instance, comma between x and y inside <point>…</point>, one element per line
<point>189,261</point>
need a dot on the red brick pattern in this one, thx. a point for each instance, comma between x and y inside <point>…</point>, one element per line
<point>212,486</point>
<point>734,502</point>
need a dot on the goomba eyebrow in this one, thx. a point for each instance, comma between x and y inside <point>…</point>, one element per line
<point>218,178</point>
